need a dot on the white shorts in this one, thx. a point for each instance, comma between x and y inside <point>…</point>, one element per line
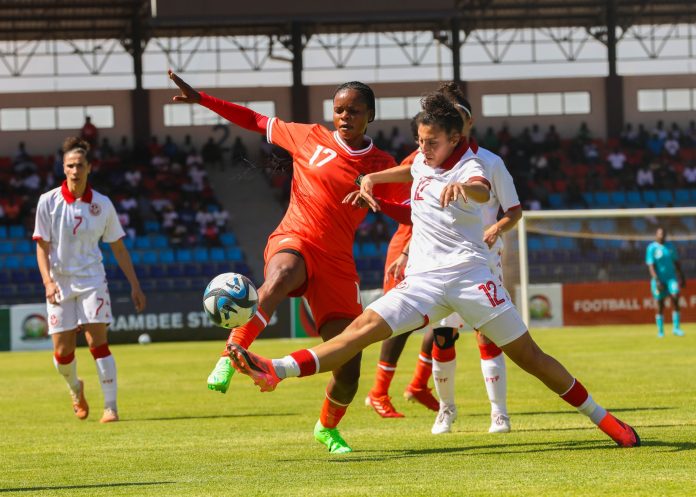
<point>82,301</point>
<point>495,263</point>
<point>429,297</point>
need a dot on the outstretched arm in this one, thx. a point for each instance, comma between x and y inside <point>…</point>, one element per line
<point>237,114</point>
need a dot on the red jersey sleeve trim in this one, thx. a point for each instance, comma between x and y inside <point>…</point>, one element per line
<point>514,208</point>
<point>36,238</point>
<point>237,114</point>
<point>401,213</point>
<point>481,179</point>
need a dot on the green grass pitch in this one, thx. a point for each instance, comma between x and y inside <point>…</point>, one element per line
<point>176,438</point>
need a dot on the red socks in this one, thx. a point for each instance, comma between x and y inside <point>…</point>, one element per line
<point>424,369</point>
<point>383,379</point>
<point>245,335</point>
<point>101,351</point>
<point>331,413</point>
<point>576,395</point>
<point>489,351</point>
<point>67,359</point>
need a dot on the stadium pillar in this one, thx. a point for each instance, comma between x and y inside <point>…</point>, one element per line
<point>613,83</point>
<point>300,93</point>
<point>455,46</point>
<point>140,97</point>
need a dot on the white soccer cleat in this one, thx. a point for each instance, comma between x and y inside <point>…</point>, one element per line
<point>500,423</point>
<point>445,417</point>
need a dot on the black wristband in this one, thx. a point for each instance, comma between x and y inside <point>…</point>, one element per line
<point>358,180</point>
<point>405,253</point>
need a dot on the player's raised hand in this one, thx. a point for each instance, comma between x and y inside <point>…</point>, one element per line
<point>396,268</point>
<point>354,199</point>
<point>451,193</point>
<point>366,187</point>
<point>188,95</point>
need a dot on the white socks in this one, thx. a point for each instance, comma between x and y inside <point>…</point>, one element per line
<point>495,378</point>
<point>69,372</point>
<point>443,378</point>
<point>106,369</point>
<point>287,367</point>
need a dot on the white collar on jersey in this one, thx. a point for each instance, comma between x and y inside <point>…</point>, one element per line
<point>349,150</point>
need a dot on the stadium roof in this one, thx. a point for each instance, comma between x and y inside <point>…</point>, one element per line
<point>115,19</point>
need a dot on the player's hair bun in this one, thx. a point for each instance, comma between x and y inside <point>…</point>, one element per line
<point>75,143</point>
<point>439,110</point>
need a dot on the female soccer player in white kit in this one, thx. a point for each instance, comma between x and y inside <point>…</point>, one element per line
<point>448,272</point>
<point>70,221</point>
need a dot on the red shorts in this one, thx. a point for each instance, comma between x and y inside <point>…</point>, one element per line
<point>332,289</point>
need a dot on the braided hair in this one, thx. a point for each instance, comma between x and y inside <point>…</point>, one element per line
<point>366,93</point>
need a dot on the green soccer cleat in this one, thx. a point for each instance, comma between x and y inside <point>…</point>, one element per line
<point>331,438</point>
<point>219,378</point>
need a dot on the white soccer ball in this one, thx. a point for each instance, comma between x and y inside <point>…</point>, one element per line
<point>144,339</point>
<point>230,300</point>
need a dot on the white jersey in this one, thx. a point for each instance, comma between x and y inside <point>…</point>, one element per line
<point>503,193</point>
<point>449,237</point>
<point>73,227</point>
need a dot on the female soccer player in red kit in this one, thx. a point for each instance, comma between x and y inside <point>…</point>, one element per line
<point>448,272</point>
<point>311,252</point>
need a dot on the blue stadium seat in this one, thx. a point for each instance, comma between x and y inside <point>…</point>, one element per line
<point>159,241</point>
<point>6,247</point>
<point>3,232</point>
<point>152,226</point>
<point>556,200</point>
<point>234,254</point>
<point>149,257</point>
<point>28,261</point>
<point>217,254</point>
<point>682,198</point>
<point>665,197</point>
<point>362,264</point>
<point>175,270</point>
<point>184,255</point>
<point>143,243</point>
<point>633,199</point>
<point>166,256</point>
<point>383,247</point>
<point>589,198</point>
<point>12,262</point>
<point>158,270</point>
<point>618,199</point>
<point>108,257</point>
<point>369,249</point>
<point>601,199</point>
<point>17,231</point>
<point>551,242</point>
<point>193,270</point>
<point>200,254</point>
<point>534,243</point>
<point>128,242</point>
<point>228,239</point>
<point>356,250</point>
<point>649,197</point>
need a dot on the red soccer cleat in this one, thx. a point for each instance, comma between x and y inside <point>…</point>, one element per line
<point>258,368</point>
<point>382,406</point>
<point>422,396</point>
<point>621,433</point>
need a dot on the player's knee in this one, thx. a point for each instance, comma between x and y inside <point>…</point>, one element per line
<point>445,338</point>
<point>283,279</point>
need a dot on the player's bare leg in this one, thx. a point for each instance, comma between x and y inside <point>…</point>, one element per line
<point>340,392</point>
<point>285,272</point>
<point>378,397</point>
<point>495,378</point>
<point>527,355</point>
<point>64,360</point>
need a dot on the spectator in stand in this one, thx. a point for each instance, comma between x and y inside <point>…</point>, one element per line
<point>133,177</point>
<point>504,135</point>
<point>381,141</point>
<point>124,153</point>
<point>160,162</point>
<point>672,146</point>
<point>124,219</point>
<point>689,174</point>
<point>13,209</point>
<point>106,151</point>
<point>211,234</point>
<point>617,162</point>
<point>169,218</point>
<point>193,158</point>
<point>584,135</point>
<point>552,140</point>
<point>490,140</point>
<point>396,141</point>
<point>660,131</point>
<point>198,177</point>
<point>212,155</point>
<point>538,138</point>
<point>154,148</point>
<point>221,216</point>
<point>239,151</point>
<point>170,149</point>
<point>643,136</point>
<point>655,145</point>
<point>90,133</point>
<point>532,204</point>
<point>645,178</point>
<point>179,237</point>
<point>540,167</point>
<point>690,135</point>
<point>675,131</point>
<point>21,155</point>
<point>574,197</point>
<point>58,165</point>
<point>629,136</point>
<point>590,153</point>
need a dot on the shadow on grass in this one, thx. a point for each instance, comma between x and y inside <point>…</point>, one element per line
<point>80,487</point>
<point>212,416</point>
<point>571,411</point>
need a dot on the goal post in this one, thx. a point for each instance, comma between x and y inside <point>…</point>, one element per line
<point>572,227</point>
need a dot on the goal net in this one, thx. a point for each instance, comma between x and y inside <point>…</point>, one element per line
<point>585,267</point>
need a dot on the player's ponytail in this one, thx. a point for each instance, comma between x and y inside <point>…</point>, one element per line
<point>439,110</point>
<point>366,93</point>
<point>455,95</point>
<point>76,145</point>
